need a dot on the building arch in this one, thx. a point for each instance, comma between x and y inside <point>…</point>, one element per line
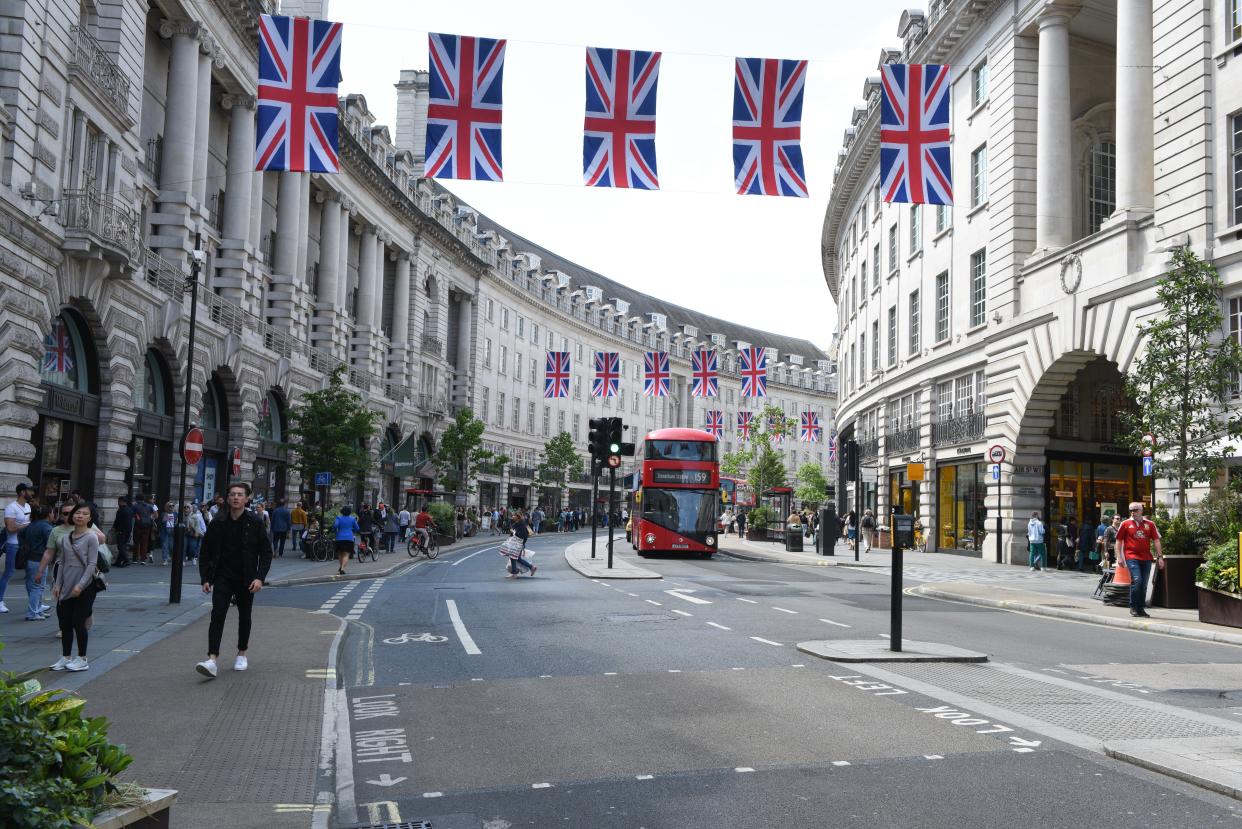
<point>151,447</point>
<point>271,464</point>
<point>218,416</point>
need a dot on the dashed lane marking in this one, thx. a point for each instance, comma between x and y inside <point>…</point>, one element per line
<point>722,627</point>
<point>840,762</point>
<point>743,769</point>
<point>748,601</point>
<point>433,794</point>
<point>649,601</point>
<point>785,610</point>
<point>933,756</point>
<point>644,776</point>
<point>682,612</point>
<point>767,641</point>
<point>838,624</point>
<point>610,673</point>
<point>541,785</point>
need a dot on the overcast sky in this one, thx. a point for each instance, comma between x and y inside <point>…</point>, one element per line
<point>754,260</point>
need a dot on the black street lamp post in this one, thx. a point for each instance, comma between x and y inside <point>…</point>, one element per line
<point>174,583</point>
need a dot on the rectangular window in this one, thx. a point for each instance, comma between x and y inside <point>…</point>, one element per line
<point>978,287</point>
<point>517,366</point>
<point>534,333</point>
<point>491,310</point>
<point>862,273</point>
<point>577,387</point>
<point>875,264</point>
<point>500,409</point>
<point>862,358</point>
<point>533,371</point>
<point>504,319</point>
<point>560,422</point>
<point>1235,20</point>
<point>483,401</point>
<point>504,359</point>
<point>944,400</point>
<point>530,417</point>
<point>875,202</point>
<point>578,352</point>
<point>577,427</point>
<point>944,217</point>
<point>547,421</point>
<point>516,423</point>
<point>892,249</point>
<point>942,307</point>
<point>1235,331</point>
<point>979,176</point>
<point>915,337</point>
<point>551,340</point>
<point>521,327</point>
<point>916,229</point>
<point>487,353</point>
<point>979,84</point>
<point>875,347</point>
<point>892,336</point>
<point>1102,196</point>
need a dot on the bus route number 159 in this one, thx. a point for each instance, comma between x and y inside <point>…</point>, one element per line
<point>681,476</point>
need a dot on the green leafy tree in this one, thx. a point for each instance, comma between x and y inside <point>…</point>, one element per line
<point>767,471</point>
<point>1181,382</point>
<point>733,464</point>
<point>559,463</point>
<point>761,464</point>
<point>329,431</point>
<point>812,485</point>
<point>461,452</point>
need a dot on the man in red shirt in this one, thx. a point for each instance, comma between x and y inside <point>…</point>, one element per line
<point>423,522</point>
<point>1134,542</point>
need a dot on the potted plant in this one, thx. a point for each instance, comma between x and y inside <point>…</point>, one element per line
<point>58,767</point>
<point>1220,600</point>
<point>757,521</point>
<point>443,516</point>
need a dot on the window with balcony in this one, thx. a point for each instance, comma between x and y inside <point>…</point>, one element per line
<point>979,176</point>
<point>978,287</point>
<point>942,307</point>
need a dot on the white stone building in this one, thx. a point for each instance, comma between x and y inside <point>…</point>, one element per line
<point>1089,141</point>
<point>127,133</point>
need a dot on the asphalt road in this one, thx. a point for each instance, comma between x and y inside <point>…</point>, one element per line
<point>476,700</point>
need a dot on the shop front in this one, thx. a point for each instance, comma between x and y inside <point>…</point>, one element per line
<point>213,471</point>
<point>1091,488</point>
<point>961,507</point>
<point>271,463</point>
<point>903,494</point>
<point>151,452</point>
<point>66,435</point>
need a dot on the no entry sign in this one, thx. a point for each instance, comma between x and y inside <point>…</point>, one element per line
<point>192,446</point>
<point>236,461</point>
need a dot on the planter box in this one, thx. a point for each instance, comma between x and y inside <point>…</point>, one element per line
<point>756,535</point>
<point>1216,607</point>
<point>150,814</point>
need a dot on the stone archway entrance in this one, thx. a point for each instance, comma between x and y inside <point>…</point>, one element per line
<point>1069,464</point>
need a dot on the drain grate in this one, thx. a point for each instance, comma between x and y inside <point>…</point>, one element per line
<point>1080,711</point>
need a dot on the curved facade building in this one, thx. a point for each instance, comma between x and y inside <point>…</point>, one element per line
<point>1088,142</point>
<point>129,134</point>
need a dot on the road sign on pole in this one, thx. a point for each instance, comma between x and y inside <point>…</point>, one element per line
<point>323,479</point>
<point>996,472</point>
<point>1148,463</point>
<point>192,446</point>
<point>996,453</point>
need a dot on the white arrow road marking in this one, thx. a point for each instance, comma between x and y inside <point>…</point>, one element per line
<point>682,594</point>
<point>387,780</point>
<point>464,635</point>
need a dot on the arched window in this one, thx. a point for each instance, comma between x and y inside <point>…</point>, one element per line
<point>271,418</point>
<point>214,415</point>
<point>66,360</point>
<point>152,390</point>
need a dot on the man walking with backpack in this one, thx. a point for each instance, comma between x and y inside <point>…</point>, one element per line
<point>867,526</point>
<point>236,556</point>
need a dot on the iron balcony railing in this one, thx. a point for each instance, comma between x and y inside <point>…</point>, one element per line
<point>92,61</point>
<point>102,219</point>
<point>899,439</point>
<point>153,156</point>
<point>868,446</point>
<point>527,472</point>
<point>961,429</point>
<point>433,345</point>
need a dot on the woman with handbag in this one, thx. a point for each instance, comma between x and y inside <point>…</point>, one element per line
<point>74,588</point>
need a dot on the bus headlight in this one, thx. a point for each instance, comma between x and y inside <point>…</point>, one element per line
<point>711,541</point>
<point>650,538</point>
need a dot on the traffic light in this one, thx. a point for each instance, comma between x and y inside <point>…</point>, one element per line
<point>614,441</point>
<point>598,442</point>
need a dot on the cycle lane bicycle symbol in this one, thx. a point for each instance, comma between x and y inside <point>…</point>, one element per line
<point>406,638</point>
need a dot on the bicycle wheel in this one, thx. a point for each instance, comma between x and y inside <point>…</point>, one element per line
<point>319,550</point>
<point>374,553</point>
<point>411,546</point>
<point>433,547</point>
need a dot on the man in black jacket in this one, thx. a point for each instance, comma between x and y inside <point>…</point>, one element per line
<point>234,560</point>
<point>123,529</point>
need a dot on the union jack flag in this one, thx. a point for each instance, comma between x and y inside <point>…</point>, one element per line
<point>704,379</point>
<point>618,140</point>
<point>914,134</point>
<point>58,349</point>
<point>811,431</point>
<point>299,71</point>
<point>556,375</point>
<point>463,113</point>
<point>832,446</point>
<point>715,423</point>
<point>767,127</point>
<point>607,380</point>
<point>752,364</point>
<point>655,374</point>
<point>744,420</point>
<point>776,428</point>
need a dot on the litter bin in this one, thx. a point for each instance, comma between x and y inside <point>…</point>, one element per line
<point>1175,585</point>
<point>793,539</point>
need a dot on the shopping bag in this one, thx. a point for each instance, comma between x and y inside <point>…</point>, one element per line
<point>511,547</point>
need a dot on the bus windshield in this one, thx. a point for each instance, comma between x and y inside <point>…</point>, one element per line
<point>681,450</point>
<point>690,512</point>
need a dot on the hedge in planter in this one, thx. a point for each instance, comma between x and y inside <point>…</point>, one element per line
<point>56,767</point>
<point>1219,570</point>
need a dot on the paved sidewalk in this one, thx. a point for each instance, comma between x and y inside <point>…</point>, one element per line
<point>1211,762</point>
<point>240,750</point>
<point>578,557</point>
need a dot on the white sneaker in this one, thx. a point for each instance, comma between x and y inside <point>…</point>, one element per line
<point>207,668</point>
<point>241,663</point>
<point>44,608</point>
<point>78,663</point>
<point>3,608</point>
<point>61,664</point>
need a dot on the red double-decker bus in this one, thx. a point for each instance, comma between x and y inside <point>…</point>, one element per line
<point>678,500</point>
<point>735,492</point>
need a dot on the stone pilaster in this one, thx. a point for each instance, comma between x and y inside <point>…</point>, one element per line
<point>1054,168</point>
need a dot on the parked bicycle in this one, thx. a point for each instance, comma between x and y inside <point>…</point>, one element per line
<point>415,545</point>
<point>319,547</point>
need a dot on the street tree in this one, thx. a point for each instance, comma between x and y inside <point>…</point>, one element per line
<point>461,451</point>
<point>329,431</point>
<point>812,486</point>
<point>756,459</point>
<point>1178,388</point>
<point>559,463</point>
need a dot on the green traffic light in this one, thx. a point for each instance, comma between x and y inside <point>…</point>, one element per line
<point>614,448</point>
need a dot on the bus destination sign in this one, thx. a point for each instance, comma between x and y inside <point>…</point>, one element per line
<point>701,477</point>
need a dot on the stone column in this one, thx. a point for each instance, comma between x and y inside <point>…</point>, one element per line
<point>288,220</point>
<point>303,232</point>
<point>177,161</point>
<point>202,126</point>
<point>364,311</point>
<point>465,350</point>
<point>1135,113</point>
<point>326,308</point>
<point>1053,166</point>
<point>233,276</point>
<point>381,255</point>
<point>256,212</point>
<point>342,272</point>
<point>397,372</point>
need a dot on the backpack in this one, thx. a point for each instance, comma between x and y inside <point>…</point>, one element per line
<point>868,523</point>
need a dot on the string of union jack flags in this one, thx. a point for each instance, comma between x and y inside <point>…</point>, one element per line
<point>299,74</point>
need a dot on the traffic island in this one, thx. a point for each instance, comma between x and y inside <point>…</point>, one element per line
<point>880,650</point>
<point>578,557</point>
